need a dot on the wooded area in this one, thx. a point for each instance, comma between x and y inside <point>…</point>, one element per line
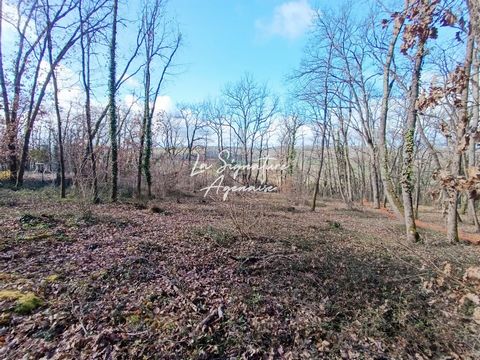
<point>367,169</point>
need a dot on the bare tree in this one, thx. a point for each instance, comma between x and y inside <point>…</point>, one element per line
<point>388,82</point>
<point>461,139</point>
<point>250,110</point>
<point>473,129</point>
<point>214,114</point>
<point>191,114</point>
<point>112,103</point>
<point>160,46</point>
<point>28,85</point>
<point>61,158</point>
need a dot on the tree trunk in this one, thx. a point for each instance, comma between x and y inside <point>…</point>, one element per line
<point>473,126</point>
<point>452,227</point>
<point>10,123</point>
<point>113,107</point>
<point>388,187</point>
<point>58,115</point>
<point>374,179</point>
<point>320,166</point>
<point>409,145</point>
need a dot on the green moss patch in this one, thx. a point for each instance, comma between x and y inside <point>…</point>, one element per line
<point>29,221</point>
<point>10,295</point>
<point>25,303</point>
<point>52,278</point>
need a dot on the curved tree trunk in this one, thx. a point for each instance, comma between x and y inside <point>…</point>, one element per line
<point>388,187</point>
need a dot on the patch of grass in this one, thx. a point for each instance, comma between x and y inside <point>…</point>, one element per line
<point>134,320</point>
<point>40,227</point>
<point>468,307</point>
<point>334,224</point>
<point>25,303</point>
<point>33,237</point>
<point>10,295</point>
<point>4,175</point>
<point>139,205</point>
<point>30,221</point>
<point>5,318</point>
<point>149,247</point>
<point>255,299</point>
<point>52,278</point>
<point>62,236</point>
<point>221,237</point>
<point>86,217</point>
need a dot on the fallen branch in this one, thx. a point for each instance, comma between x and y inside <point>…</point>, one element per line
<point>214,315</point>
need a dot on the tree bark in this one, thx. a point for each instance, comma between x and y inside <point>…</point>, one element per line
<point>320,166</point>
<point>112,106</point>
<point>452,226</point>
<point>85,48</point>
<point>57,113</point>
<point>473,126</point>
<point>409,145</point>
<point>388,186</point>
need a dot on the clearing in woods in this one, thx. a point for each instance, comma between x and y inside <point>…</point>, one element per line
<point>256,277</point>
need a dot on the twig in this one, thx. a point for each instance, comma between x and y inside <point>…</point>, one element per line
<point>215,312</point>
<point>80,316</point>
<point>137,333</point>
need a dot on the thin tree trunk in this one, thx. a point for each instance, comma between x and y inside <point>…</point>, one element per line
<point>58,115</point>
<point>320,166</point>
<point>409,146</point>
<point>473,126</point>
<point>113,107</point>
<point>374,180</point>
<point>452,217</point>
<point>88,110</point>
<point>388,186</point>
<point>417,190</point>
<point>10,123</point>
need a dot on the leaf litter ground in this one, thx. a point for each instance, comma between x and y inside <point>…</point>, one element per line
<point>253,278</point>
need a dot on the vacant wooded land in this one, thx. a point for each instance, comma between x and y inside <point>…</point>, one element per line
<point>256,277</point>
<point>263,179</point>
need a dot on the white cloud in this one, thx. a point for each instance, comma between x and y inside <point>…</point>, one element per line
<point>132,101</point>
<point>11,16</point>
<point>69,87</point>
<point>290,20</point>
<point>133,82</point>
<point>164,103</point>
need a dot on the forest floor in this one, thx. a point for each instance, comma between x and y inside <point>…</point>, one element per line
<point>257,277</point>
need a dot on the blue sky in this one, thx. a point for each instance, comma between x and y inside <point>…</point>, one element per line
<point>223,39</point>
